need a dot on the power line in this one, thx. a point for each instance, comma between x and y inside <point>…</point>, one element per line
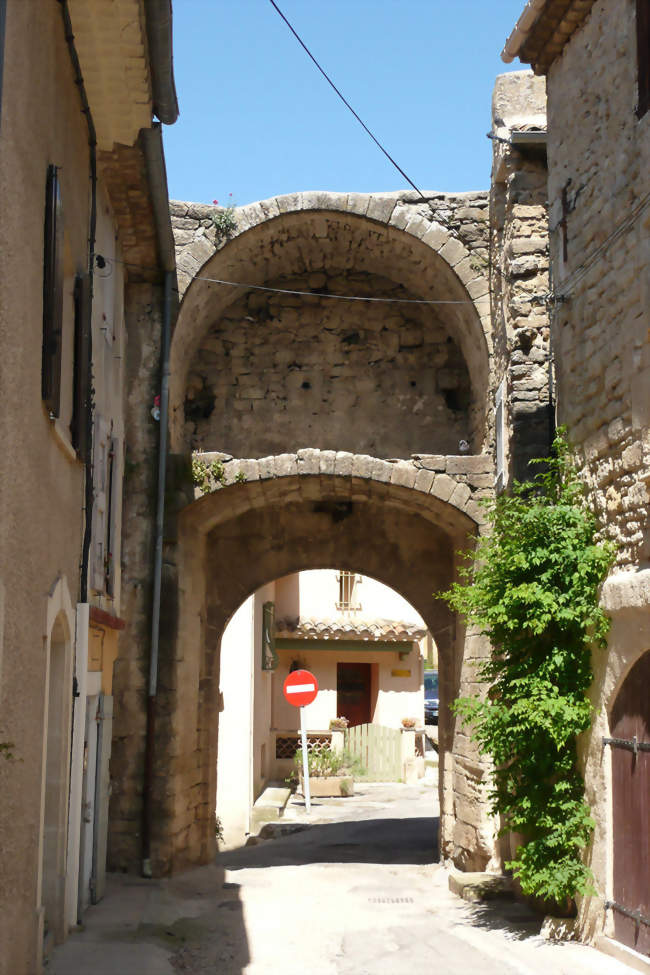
<point>107,261</point>
<point>347,104</point>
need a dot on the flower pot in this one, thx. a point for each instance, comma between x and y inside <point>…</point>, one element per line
<point>327,786</point>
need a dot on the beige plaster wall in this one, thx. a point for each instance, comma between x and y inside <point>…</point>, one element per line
<point>392,697</point>
<point>40,482</point>
<point>315,593</point>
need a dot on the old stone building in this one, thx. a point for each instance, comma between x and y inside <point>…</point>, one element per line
<point>596,59</point>
<point>330,433</point>
<point>85,243</point>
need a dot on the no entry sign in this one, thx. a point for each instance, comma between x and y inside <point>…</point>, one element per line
<point>300,688</point>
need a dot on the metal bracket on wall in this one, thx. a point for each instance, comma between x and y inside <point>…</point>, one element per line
<point>631,744</point>
<point>635,916</point>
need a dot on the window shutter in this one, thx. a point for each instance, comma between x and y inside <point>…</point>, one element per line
<point>52,293</point>
<point>81,391</point>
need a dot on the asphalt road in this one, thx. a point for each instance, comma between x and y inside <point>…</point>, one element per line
<point>358,891</point>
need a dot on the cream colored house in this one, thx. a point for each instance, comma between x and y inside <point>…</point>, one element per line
<point>83,241</point>
<point>365,644</point>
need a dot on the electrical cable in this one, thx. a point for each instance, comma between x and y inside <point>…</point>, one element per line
<point>347,104</point>
<point>306,294</point>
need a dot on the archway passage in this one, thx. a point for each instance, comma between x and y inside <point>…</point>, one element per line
<point>234,541</point>
<point>630,729</point>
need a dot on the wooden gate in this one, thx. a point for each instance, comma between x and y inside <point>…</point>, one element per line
<point>630,743</point>
<point>379,750</point>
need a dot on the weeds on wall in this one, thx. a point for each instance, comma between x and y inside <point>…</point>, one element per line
<point>211,477</point>
<point>224,221</point>
<point>533,590</point>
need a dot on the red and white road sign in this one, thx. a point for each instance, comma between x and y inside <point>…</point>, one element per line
<point>300,688</point>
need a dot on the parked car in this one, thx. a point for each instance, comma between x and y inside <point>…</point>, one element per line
<point>431,697</point>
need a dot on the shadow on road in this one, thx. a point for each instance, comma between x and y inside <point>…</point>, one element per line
<point>399,841</point>
<point>503,914</point>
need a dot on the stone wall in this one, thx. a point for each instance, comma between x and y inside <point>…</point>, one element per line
<point>280,370</point>
<point>599,159</point>
<point>392,377</point>
<point>519,269</point>
<point>142,375</point>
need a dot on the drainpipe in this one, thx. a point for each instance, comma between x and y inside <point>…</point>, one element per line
<point>152,147</point>
<point>152,691</point>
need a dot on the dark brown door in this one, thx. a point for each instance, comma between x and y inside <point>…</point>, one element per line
<point>353,693</point>
<point>631,807</point>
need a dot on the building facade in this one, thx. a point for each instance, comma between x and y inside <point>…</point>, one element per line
<point>596,60</point>
<point>81,174</point>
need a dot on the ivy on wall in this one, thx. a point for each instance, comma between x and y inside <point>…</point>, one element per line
<point>533,590</point>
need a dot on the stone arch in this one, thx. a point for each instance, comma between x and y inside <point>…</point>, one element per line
<point>390,235</point>
<point>235,539</point>
<point>59,631</point>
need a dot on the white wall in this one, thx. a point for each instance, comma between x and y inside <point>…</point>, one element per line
<point>317,591</point>
<point>234,770</point>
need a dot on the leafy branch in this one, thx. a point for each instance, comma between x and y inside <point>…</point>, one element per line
<point>533,590</point>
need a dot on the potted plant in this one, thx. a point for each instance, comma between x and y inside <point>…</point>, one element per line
<point>330,773</point>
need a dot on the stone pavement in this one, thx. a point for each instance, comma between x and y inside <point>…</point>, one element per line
<point>356,891</point>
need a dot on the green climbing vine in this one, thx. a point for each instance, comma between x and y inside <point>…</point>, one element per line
<point>533,591</point>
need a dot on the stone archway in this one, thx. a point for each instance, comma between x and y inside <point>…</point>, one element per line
<point>390,498</point>
<point>384,247</point>
<point>235,539</point>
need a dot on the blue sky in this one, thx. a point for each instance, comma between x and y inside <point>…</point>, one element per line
<point>257,119</point>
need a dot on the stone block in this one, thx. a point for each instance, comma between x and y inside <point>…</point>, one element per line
<point>380,208</point>
<point>308,461</point>
<point>362,465</point>
<point>404,474</point>
<point>430,462</point>
<point>327,461</point>
<point>436,237</point>
<point>381,471</point>
<point>453,251</point>
<point>478,886</point>
<point>443,487</point>
<point>460,496</point>
<point>343,463</point>
<point>470,464</point>
<point>424,480</point>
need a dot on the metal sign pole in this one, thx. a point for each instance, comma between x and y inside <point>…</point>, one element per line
<point>305,761</point>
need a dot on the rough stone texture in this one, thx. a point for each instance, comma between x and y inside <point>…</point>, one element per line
<point>519,271</point>
<point>600,332</point>
<point>598,192</point>
<point>319,364</point>
<point>277,370</point>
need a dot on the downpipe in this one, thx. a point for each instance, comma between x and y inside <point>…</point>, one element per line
<point>152,689</point>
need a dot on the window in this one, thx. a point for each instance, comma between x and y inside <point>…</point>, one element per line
<point>81,376</point>
<point>52,294</point>
<point>348,599</point>
<point>643,56</point>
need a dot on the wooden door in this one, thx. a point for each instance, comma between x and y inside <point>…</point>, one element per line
<point>353,692</point>
<point>630,719</point>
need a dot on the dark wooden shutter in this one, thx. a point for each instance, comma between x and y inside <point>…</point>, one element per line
<point>81,389</point>
<point>52,293</point>
<point>643,55</point>
<point>630,720</point>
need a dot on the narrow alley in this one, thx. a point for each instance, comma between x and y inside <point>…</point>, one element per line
<point>357,890</point>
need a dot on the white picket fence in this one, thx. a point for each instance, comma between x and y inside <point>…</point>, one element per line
<point>379,750</point>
